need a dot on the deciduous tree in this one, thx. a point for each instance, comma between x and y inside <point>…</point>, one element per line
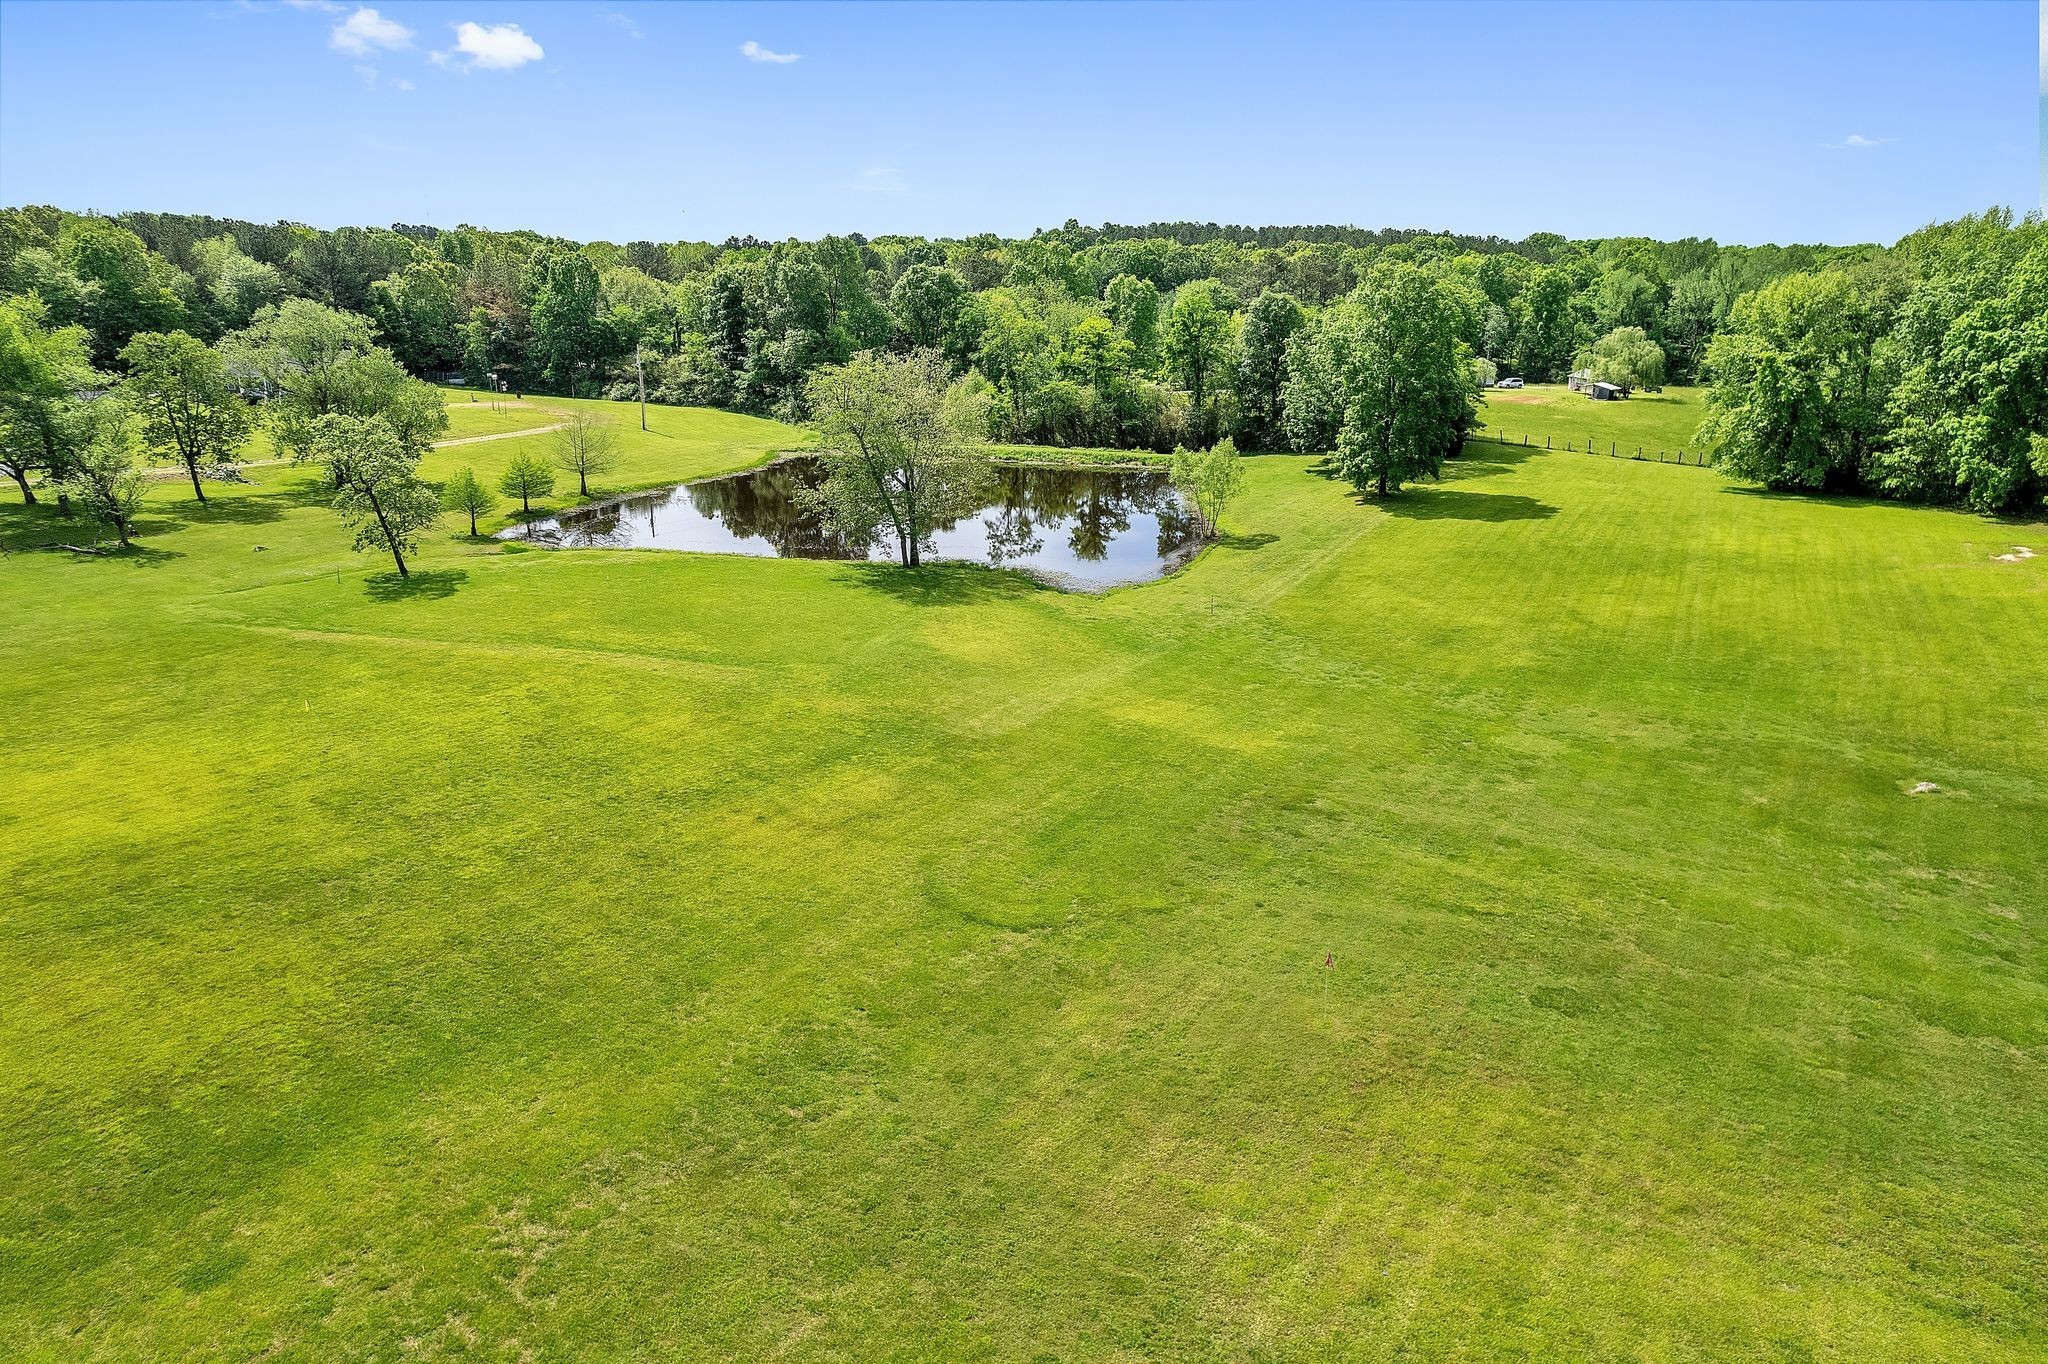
<point>102,474</point>
<point>189,411</point>
<point>1625,357</point>
<point>1270,324</point>
<point>1210,478</point>
<point>1199,349</point>
<point>902,452</point>
<point>466,496</point>
<point>43,371</point>
<point>583,445</point>
<point>378,493</point>
<point>1403,380</point>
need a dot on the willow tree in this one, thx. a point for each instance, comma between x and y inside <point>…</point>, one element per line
<point>900,447</point>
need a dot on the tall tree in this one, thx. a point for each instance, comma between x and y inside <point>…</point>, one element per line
<point>1270,324</point>
<point>102,474</point>
<point>1547,333</point>
<point>926,302</point>
<point>237,286</point>
<point>1970,412</point>
<point>43,372</point>
<point>1133,305</point>
<point>420,313</point>
<point>127,287</point>
<point>565,292</point>
<point>1800,380</point>
<point>189,410</point>
<point>378,493</point>
<point>1199,348</point>
<point>1403,381</point>
<point>900,451</point>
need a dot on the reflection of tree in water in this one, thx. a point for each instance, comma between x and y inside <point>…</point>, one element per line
<point>762,504</point>
<point>1093,507</point>
<point>603,527</point>
<point>1011,532</point>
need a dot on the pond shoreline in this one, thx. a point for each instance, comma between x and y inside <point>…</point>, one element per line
<point>1084,526</point>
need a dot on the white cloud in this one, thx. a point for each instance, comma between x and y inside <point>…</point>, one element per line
<point>1857,142</point>
<point>754,52</point>
<point>324,6</point>
<point>365,30</point>
<point>618,20</point>
<point>877,180</point>
<point>500,47</point>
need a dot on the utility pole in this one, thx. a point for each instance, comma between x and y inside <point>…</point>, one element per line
<point>641,373</point>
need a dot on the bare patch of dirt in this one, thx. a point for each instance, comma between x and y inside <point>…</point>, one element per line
<point>2019,552</point>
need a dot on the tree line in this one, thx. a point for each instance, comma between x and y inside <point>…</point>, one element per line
<point>1153,337</point>
<point>1919,373</point>
<point>1140,337</point>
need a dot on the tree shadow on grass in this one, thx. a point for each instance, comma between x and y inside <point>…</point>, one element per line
<point>2022,520</point>
<point>941,584</point>
<point>1451,504</point>
<point>1435,502</point>
<point>1248,543</point>
<point>136,555</point>
<point>1484,458</point>
<point>429,585</point>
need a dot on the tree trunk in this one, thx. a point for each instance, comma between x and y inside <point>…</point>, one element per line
<point>28,496</point>
<point>192,468</point>
<point>1383,483</point>
<point>582,484</point>
<point>121,529</point>
<point>390,540</point>
<point>525,507</point>
<point>472,525</point>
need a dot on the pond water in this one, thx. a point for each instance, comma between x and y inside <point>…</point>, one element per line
<point>1078,527</point>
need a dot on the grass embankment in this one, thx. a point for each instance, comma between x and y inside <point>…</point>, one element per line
<point>611,956</point>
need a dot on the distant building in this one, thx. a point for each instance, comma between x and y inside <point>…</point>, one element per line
<point>1604,390</point>
<point>1580,380</point>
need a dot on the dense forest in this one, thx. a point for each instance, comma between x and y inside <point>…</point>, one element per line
<point>1859,367</point>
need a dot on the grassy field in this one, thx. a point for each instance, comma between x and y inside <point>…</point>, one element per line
<point>1667,421</point>
<point>638,956</point>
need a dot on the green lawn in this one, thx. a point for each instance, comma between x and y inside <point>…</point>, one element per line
<point>484,418</point>
<point>639,956</point>
<point>680,442</point>
<point>1667,421</point>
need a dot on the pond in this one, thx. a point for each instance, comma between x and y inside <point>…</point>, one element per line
<point>1087,528</point>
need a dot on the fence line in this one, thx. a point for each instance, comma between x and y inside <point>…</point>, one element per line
<point>1696,459</point>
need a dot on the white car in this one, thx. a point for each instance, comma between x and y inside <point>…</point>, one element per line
<point>1509,383</point>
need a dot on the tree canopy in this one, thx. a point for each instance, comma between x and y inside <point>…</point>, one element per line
<point>900,447</point>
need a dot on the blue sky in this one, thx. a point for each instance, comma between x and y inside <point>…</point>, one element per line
<point>1745,122</point>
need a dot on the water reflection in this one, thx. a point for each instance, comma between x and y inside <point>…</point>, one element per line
<point>1090,527</point>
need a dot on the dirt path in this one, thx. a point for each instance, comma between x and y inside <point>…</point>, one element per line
<point>498,435</point>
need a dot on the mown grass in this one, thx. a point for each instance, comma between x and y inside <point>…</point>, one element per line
<point>603,955</point>
<point>1668,421</point>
